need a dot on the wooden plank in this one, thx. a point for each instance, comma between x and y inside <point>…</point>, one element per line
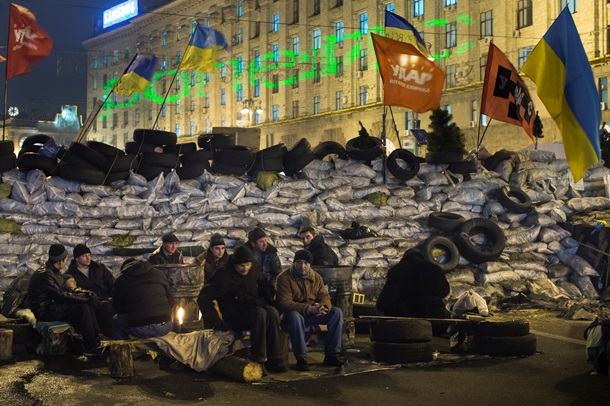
<point>467,319</point>
<point>6,344</point>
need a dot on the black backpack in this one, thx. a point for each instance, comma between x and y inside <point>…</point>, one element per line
<point>15,295</point>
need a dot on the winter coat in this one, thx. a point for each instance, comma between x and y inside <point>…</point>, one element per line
<point>158,257</point>
<point>323,254</point>
<point>211,266</point>
<point>142,293</point>
<point>100,280</point>
<point>270,263</point>
<point>295,294</point>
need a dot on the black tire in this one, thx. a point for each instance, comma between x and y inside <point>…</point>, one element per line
<point>6,148</point>
<point>83,175</point>
<point>182,148</point>
<point>402,353</point>
<point>69,157</point>
<point>273,152</point>
<point>445,221</point>
<point>156,137</point>
<point>220,168</point>
<point>514,328</point>
<point>114,176</point>
<point>444,157</point>
<point>401,331</point>
<point>364,148</point>
<point>326,148</point>
<point>8,162</point>
<point>32,160</point>
<point>151,172</point>
<point>436,248</point>
<point>88,154</point>
<point>302,146</point>
<point>268,165</point>
<point>135,148</point>
<point>464,167</point>
<point>235,156</point>
<point>199,156</point>
<point>475,252</point>
<point>216,141</point>
<point>105,149</point>
<point>120,163</point>
<point>366,310</point>
<point>502,346</point>
<point>165,160</point>
<point>493,161</point>
<point>362,326</point>
<point>192,171</point>
<point>507,196</point>
<point>410,161</point>
<point>34,142</point>
<point>292,167</point>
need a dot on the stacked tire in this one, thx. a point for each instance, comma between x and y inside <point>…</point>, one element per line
<point>150,146</point>
<point>81,164</point>
<point>193,161</point>
<point>402,341</point>
<point>268,160</point>
<point>117,164</point>
<point>29,159</point>
<point>8,159</point>
<point>298,157</point>
<point>364,148</point>
<point>507,339</point>
<point>234,160</point>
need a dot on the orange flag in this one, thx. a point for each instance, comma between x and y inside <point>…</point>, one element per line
<point>27,42</point>
<point>409,78</point>
<point>505,96</point>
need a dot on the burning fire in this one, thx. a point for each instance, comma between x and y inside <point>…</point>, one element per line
<point>180,315</point>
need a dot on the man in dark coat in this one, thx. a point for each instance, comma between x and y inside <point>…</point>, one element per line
<point>245,300</point>
<point>265,254</point>
<point>142,300</point>
<point>323,254</point>
<point>49,301</point>
<point>96,278</point>
<point>216,256</point>
<point>168,252</point>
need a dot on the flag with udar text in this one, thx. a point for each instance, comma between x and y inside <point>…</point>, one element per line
<point>409,79</point>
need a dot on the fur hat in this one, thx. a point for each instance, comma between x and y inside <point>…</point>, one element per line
<point>81,249</point>
<point>169,237</point>
<point>216,239</point>
<point>256,234</point>
<point>241,255</point>
<point>57,252</point>
<point>128,263</point>
<point>303,255</point>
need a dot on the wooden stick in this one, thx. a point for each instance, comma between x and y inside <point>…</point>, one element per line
<point>6,344</point>
<point>239,369</point>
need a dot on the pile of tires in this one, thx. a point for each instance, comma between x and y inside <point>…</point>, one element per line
<point>507,338</point>
<point>403,164</point>
<point>150,146</point>
<point>330,149</point>
<point>234,160</point>
<point>117,164</point>
<point>268,160</point>
<point>514,199</point>
<point>193,161</point>
<point>363,324</point>
<point>82,164</point>
<point>8,159</point>
<point>29,158</point>
<point>402,341</point>
<point>298,157</point>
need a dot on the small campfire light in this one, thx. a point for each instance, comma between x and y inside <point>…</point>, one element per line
<point>180,315</point>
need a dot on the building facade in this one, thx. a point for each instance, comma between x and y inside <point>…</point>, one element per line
<point>307,68</point>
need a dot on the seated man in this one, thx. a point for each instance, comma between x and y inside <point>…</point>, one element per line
<point>244,298</point>
<point>265,254</point>
<point>94,277</point>
<point>168,252</point>
<point>305,301</point>
<point>49,301</point>
<point>216,256</point>
<point>323,254</point>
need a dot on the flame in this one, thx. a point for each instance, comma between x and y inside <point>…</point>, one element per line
<point>180,315</point>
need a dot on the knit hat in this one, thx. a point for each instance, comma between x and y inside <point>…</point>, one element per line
<point>241,255</point>
<point>303,255</point>
<point>128,263</point>
<point>81,249</point>
<point>57,252</point>
<point>255,234</point>
<point>216,240</point>
<point>169,237</point>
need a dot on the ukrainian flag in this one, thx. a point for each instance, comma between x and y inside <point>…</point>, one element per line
<point>559,67</point>
<point>399,29</point>
<point>137,75</point>
<point>202,51</point>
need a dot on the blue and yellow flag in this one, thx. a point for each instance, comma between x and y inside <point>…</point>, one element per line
<point>399,29</point>
<point>202,52</point>
<point>559,67</point>
<point>137,75</point>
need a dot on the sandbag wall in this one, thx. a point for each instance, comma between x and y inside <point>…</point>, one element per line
<point>330,195</point>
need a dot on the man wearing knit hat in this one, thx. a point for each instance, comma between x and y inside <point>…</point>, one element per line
<point>49,301</point>
<point>265,254</point>
<point>323,254</point>
<point>168,252</point>
<point>216,256</point>
<point>303,298</point>
<point>245,300</point>
<point>94,277</point>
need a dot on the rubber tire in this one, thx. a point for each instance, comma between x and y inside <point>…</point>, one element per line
<point>273,152</point>
<point>444,157</point>
<point>371,150</point>
<point>445,221</point>
<point>502,346</point>
<point>69,157</point>
<point>401,331</point>
<point>6,148</point>
<point>8,162</point>
<point>151,172</point>
<point>88,154</point>
<point>105,149</point>
<point>34,142</point>
<point>114,176</point>
<point>269,165</point>
<point>83,175</point>
<point>402,353</point>
<point>156,137</point>
<point>192,171</point>
<point>474,252</point>
<point>121,163</point>
<point>32,160</point>
<point>514,328</point>
<point>216,141</point>
<point>366,310</point>
<point>326,148</point>
<point>505,198</point>
<point>464,167</point>
<point>220,168</point>
<point>201,155</point>
<point>135,148</point>
<point>163,159</point>
<point>292,167</point>
<point>493,161</point>
<point>235,156</point>
<point>397,171</point>
<point>439,241</point>
<point>182,148</point>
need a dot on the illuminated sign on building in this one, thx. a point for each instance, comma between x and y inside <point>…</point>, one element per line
<point>120,12</point>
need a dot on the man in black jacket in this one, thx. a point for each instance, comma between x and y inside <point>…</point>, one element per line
<point>49,301</point>
<point>142,301</point>
<point>96,278</point>
<point>265,254</point>
<point>168,252</point>
<point>323,254</point>
<point>244,298</point>
<point>216,256</point>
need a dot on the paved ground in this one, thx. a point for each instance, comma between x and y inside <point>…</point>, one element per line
<point>556,375</point>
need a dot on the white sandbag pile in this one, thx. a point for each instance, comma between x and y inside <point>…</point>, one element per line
<point>134,213</point>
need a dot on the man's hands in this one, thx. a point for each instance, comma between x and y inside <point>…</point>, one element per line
<point>318,309</point>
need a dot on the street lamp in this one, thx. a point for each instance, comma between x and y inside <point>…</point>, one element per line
<point>249,106</point>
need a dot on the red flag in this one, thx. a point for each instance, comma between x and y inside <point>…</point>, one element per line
<point>27,42</point>
<point>505,96</point>
<point>409,78</point>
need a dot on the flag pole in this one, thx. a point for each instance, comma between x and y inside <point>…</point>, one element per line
<point>383,144</point>
<point>483,136</point>
<point>395,129</point>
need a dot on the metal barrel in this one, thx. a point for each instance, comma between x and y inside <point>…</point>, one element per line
<point>185,282</point>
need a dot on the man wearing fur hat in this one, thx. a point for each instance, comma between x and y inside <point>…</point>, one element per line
<point>245,301</point>
<point>96,278</point>
<point>265,254</point>
<point>216,256</point>
<point>49,301</point>
<point>303,298</point>
<point>168,252</point>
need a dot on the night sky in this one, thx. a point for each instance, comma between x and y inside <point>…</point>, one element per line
<point>60,78</point>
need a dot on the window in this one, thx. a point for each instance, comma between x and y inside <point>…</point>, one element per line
<point>363,95</point>
<point>95,62</point>
<point>240,9</point>
<point>178,58</point>
<point>572,4</point>
<point>206,101</point>
<point>164,39</point>
<point>192,104</point>
<point>193,76</point>
<point>524,13</point>
<point>223,71</point>
<point>257,116</point>
<point>178,130</point>
<point>316,105</point>
<point>115,120</point>
<point>136,116</point>
<point>474,111</point>
<point>164,110</point>
<point>450,71</point>
<point>339,100</point>
<point>95,83</point>
<point>164,63</point>
<point>269,140</point>
<point>339,31</point>
<point>482,66</point>
<point>177,83</point>
<point>316,7</point>
<point>125,99</point>
<point>408,124</point>
<point>126,54</point>
<point>418,8</point>
<point>223,121</point>
<point>257,88</point>
<point>317,39</point>
<point>208,125</point>
<point>316,72</point>
<point>603,90</point>
<point>364,23</point>
<point>240,36</point>
<point>240,64</point>
<point>207,78</point>
<point>483,120</point>
<point>275,24</point>
<point>487,24</point>
<point>295,11</point>
<point>450,2</point>
<point>295,109</point>
<point>295,46</point>
<point>339,66</point>
<point>257,59</point>
<point>223,97</point>
<point>363,60</point>
<point>105,60</point>
<point>240,92</point>
<point>276,53</point>
<point>192,130</point>
<point>115,56</point>
<point>150,113</point>
<point>390,7</point>
<point>177,107</point>
<point>523,54</point>
<point>450,35</point>
<point>104,123</point>
<point>275,80</point>
<point>275,113</point>
<point>295,78</point>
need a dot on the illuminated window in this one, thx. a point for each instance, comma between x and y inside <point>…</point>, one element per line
<point>316,105</point>
<point>276,53</point>
<point>275,82</point>
<point>193,75</point>
<point>450,71</point>
<point>487,24</point>
<point>339,31</point>
<point>275,25</point>
<point>450,35</point>
<point>390,7</point>
<point>177,106</point>
<point>257,59</point>
<point>316,72</point>
<point>317,39</point>
<point>164,110</point>
<point>339,66</point>
<point>418,8</point>
<point>95,62</point>
<point>223,71</point>
<point>363,63</point>
<point>524,13</point>
<point>295,11</point>
<point>316,7</point>
<point>164,39</point>
<point>275,113</point>
<point>164,63</point>
<point>450,2</point>
<point>603,89</point>
<point>240,64</point>
<point>207,77</point>
<point>364,23</point>
<point>295,109</point>
<point>408,124</point>
<point>339,100</point>
<point>295,46</point>
<point>178,58</point>
<point>257,87</point>
<point>178,130</point>
<point>115,56</point>
<point>572,4</point>
<point>105,60</point>
<point>240,92</point>
<point>257,117</point>
<point>136,96</point>
<point>223,97</point>
<point>193,26</point>
<point>363,95</point>
<point>192,130</point>
<point>523,54</point>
